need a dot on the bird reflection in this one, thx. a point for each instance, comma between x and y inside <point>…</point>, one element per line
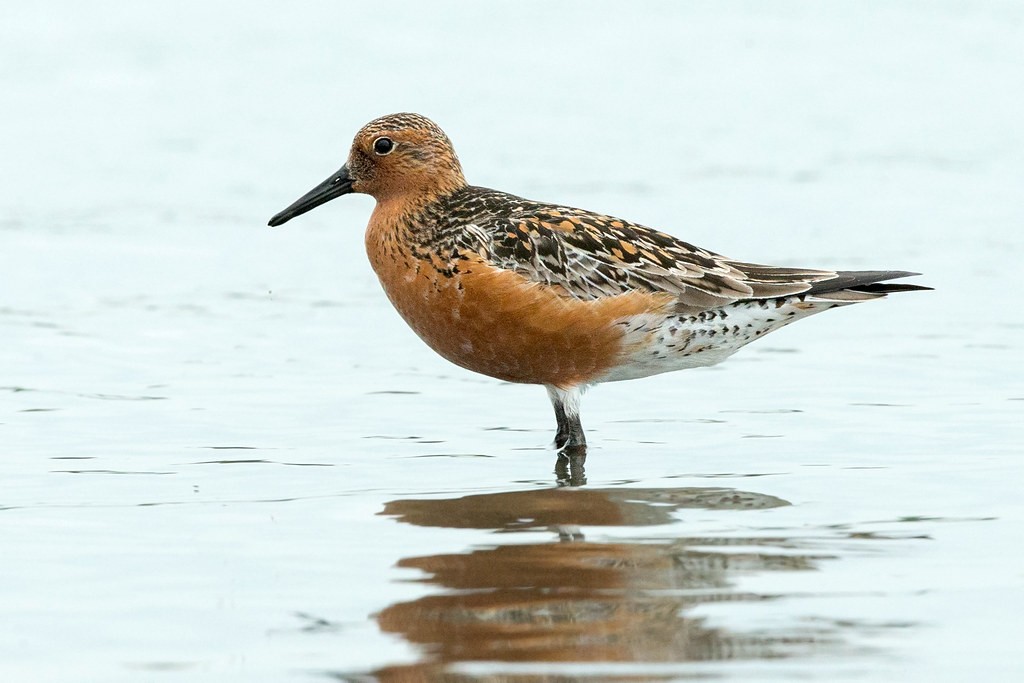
<point>572,600</point>
<point>570,467</point>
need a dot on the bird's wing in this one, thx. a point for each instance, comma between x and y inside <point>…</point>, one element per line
<point>588,256</point>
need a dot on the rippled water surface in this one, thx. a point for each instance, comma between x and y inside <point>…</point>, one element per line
<point>224,457</point>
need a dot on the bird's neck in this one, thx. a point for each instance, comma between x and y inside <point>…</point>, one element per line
<point>411,212</point>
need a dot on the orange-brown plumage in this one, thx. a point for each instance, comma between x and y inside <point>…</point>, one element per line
<point>546,294</point>
<point>498,323</point>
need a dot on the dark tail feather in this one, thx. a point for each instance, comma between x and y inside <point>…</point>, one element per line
<point>880,288</point>
<point>868,281</point>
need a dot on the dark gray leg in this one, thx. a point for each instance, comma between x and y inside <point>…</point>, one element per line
<point>567,413</point>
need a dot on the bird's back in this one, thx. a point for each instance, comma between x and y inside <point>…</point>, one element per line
<point>588,255</point>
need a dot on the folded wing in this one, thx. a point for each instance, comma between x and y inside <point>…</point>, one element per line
<point>586,256</point>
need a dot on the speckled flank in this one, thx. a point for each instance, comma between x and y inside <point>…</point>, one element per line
<point>656,343</point>
<point>541,293</point>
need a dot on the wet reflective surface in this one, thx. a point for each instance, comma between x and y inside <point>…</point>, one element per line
<point>224,458</point>
<point>631,601</point>
<point>570,599</point>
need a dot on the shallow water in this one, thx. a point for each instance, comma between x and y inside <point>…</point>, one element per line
<point>226,458</point>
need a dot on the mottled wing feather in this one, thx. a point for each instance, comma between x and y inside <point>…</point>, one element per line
<point>588,255</point>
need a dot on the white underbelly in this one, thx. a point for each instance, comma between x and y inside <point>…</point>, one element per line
<point>657,343</point>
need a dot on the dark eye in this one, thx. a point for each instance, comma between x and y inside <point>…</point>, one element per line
<point>383,146</point>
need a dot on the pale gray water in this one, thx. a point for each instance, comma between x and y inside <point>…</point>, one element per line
<point>202,419</point>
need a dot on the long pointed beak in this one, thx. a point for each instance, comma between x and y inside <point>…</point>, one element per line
<point>338,184</point>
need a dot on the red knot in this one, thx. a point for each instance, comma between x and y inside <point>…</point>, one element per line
<point>541,293</point>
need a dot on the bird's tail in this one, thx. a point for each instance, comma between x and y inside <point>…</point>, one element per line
<point>861,285</point>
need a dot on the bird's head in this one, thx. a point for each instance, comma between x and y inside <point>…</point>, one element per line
<point>399,156</point>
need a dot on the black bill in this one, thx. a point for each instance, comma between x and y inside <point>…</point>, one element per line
<point>338,184</point>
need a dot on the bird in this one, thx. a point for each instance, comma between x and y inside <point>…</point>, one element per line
<point>541,293</point>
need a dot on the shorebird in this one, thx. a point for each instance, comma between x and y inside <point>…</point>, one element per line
<point>540,293</point>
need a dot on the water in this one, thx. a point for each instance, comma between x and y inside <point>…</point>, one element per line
<point>226,458</point>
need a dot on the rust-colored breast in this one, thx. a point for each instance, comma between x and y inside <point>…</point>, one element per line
<point>498,323</point>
